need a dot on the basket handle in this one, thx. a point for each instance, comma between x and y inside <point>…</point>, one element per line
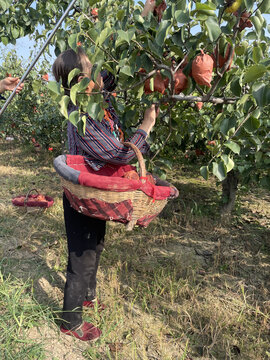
<point>27,195</point>
<point>140,159</point>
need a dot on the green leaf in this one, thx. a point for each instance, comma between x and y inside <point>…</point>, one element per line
<point>233,146</point>
<point>256,113</point>
<point>72,74</point>
<point>3,5</point>
<point>254,72</point>
<point>126,70</point>
<point>261,93</point>
<point>140,92</point>
<point>15,32</point>
<point>164,164</point>
<point>98,56</point>
<point>4,40</point>
<point>72,41</point>
<point>182,17</point>
<point>162,32</point>
<point>54,87</point>
<point>96,69</point>
<point>82,85</point>
<point>79,87</point>
<point>219,170</point>
<point>227,124</point>
<point>131,33</point>
<point>105,33</point>
<point>258,156</point>
<point>93,2</point>
<point>241,48</point>
<point>155,48</point>
<point>63,105</point>
<point>73,93</point>
<point>181,4</point>
<point>81,125</point>
<point>120,14</point>
<point>177,38</point>
<point>213,28</point>
<point>249,4</point>
<point>204,170</point>
<point>144,62</point>
<point>235,87</point>
<point>265,6</point>
<point>257,54</point>
<point>123,36</point>
<point>93,109</point>
<point>84,4</point>
<point>244,99</point>
<point>74,117</point>
<point>61,44</point>
<point>139,18</point>
<point>228,162</point>
<point>252,124</point>
<point>251,36</point>
<point>36,85</point>
<point>257,24</point>
<point>205,6</point>
<point>93,34</point>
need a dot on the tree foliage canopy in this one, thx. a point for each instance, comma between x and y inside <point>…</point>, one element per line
<point>230,117</point>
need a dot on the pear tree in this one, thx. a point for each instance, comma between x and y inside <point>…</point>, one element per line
<point>205,63</point>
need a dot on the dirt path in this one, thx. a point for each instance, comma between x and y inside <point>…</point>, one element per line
<point>188,287</point>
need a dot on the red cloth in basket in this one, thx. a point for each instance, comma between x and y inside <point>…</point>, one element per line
<point>110,178</point>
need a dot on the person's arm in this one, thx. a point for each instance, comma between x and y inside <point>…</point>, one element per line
<point>149,119</point>
<point>100,143</point>
<point>9,83</point>
<point>148,7</point>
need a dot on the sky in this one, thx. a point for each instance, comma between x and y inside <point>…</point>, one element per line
<point>27,49</point>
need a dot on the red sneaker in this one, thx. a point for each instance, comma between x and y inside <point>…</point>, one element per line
<point>92,304</point>
<point>85,332</point>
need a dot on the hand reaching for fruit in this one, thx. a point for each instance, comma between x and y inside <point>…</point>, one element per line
<point>10,83</point>
<point>148,7</point>
<point>149,119</point>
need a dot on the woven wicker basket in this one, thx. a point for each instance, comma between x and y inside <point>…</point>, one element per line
<point>143,205</point>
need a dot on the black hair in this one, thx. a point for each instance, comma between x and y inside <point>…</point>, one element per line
<point>67,61</point>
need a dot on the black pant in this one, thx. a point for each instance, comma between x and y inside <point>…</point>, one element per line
<point>85,237</point>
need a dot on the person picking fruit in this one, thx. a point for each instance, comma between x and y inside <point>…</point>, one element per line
<point>101,145</point>
<point>103,148</point>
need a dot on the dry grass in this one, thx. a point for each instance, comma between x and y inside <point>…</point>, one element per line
<point>187,287</point>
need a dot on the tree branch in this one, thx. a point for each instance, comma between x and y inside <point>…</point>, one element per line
<point>213,100</point>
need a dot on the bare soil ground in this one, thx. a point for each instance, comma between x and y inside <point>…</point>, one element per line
<point>187,287</point>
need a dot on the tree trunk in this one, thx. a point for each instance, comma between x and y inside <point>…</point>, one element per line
<point>229,188</point>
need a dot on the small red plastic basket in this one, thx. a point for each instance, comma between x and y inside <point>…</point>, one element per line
<point>33,200</point>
